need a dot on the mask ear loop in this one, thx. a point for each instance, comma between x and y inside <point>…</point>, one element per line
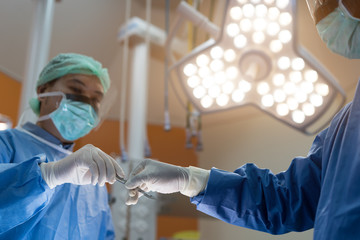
<point>346,12</point>
<point>50,94</point>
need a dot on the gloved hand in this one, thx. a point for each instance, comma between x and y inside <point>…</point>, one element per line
<point>87,165</point>
<point>151,175</point>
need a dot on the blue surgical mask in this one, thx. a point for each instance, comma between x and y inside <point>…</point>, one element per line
<point>341,32</point>
<point>73,119</point>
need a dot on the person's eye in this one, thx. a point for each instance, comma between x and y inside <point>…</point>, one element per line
<point>76,90</point>
<point>96,100</point>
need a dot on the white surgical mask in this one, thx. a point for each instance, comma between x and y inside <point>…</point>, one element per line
<point>73,119</point>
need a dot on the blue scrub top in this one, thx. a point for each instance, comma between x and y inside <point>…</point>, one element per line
<point>29,209</point>
<point>320,191</point>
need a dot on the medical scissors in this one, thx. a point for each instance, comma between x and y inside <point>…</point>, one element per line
<point>123,181</point>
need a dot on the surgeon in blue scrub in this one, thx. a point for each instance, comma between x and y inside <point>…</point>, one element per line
<point>319,191</point>
<point>46,190</point>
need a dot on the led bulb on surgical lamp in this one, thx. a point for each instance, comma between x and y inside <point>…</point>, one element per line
<point>252,58</point>
<point>311,76</point>
<point>273,13</point>
<point>267,100</point>
<point>193,81</point>
<point>263,88</point>
<point>238,96</point>
<point>228,87</point>
<point>295,76</point>
<point>261,11</point>
<point>298,64</point>
<point>232,73</point>
<point>322,89</point>
<point>222,100</point>
<point>272,29</point>
<point>202,60</point>
<point>292,103</point>
<point>282,4</point>
<point>308,109</point>
<point>204,72</point>
<point>240,41</point>
<point>216,52</point>
<point>316,100</point>
<point>283,63</point>
<point>276,46</point>
<point>282,109</point>
<point>285,19</point>
<point>285,36</point>
<point>307,87</point>
<point>229,55</point>
<point>245,25</point>
<point>236,13</point>
<point>298,116</point>
<point>207,101</point>
<point>220,77</point>
<point>245,86</point>
<point>269,2</point>
<point>278,79</point>
<point>232,29</point>
<point>248,10</point>
<point>279,96</point>
<point>190,70</point>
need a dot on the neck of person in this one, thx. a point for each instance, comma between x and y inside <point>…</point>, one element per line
<point>49,126</point>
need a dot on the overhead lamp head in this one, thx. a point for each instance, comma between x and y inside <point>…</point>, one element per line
<point>256,60</point>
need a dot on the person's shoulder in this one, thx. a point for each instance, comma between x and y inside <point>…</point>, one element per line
<point>10,133</point>
<point>11,136</point>
<point>6,134</point>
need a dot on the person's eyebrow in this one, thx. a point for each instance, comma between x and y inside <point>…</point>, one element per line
<point>77,81</point>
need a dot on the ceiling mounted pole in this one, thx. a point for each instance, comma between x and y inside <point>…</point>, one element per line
<point>38,50</point>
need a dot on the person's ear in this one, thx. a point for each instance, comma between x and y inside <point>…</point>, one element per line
<point>42,88</point>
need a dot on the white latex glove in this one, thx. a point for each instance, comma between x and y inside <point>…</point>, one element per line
<point>151,175</point>
<point>87,165</point>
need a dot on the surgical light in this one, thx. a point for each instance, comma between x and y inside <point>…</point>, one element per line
<point>253,58</point>
<point>5,122</point>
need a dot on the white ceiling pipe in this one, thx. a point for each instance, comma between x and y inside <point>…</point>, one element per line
<point>199,20</point>
<point>38,51</point>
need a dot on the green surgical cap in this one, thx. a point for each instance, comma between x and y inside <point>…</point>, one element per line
<point>70,63</point>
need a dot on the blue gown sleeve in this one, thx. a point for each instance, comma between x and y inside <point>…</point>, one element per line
<point>23,192</point>
<point>258,199</point>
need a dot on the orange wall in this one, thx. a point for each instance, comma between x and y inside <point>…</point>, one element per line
<point>165,146</point>
<point>10,91</point>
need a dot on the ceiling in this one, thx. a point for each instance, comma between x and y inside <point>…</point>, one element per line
<point>90,27</point>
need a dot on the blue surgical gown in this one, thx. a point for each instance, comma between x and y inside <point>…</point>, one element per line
<point>29,209</point>
<point>320,191</point>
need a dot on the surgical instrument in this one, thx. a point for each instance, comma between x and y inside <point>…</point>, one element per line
<point>123,181</point>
